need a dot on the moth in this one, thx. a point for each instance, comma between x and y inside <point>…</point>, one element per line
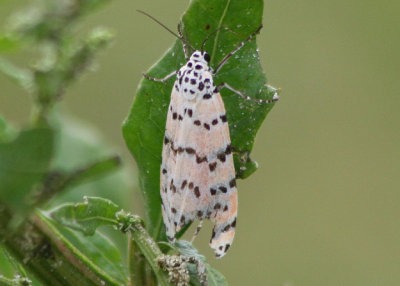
<point>197,171</point>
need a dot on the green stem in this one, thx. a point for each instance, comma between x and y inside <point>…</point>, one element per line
<point>137,265</point>
<point>150,250</point>
<point>46,254</point>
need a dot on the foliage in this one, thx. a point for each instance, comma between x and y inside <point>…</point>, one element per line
<point>45,240</point>
<point>144,127</point>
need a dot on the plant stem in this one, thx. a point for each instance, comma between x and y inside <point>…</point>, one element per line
<point>150,250</point>
<point>137,265</point>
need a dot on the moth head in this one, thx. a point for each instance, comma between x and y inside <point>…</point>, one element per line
<point>200,56</point>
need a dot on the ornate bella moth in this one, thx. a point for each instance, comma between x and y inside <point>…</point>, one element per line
<point>197,170</point>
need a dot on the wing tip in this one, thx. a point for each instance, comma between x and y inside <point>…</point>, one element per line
<point>221,242</point>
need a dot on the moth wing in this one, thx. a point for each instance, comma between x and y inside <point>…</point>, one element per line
<point>202,170</point>
<point>168,164</point>
<point>221,184</point>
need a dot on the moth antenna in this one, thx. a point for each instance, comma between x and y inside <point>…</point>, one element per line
<point>165,27</point>
<point>185,47</point>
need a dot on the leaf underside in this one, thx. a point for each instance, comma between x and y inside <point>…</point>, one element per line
<point>144,127</point>
<point>86,217</point>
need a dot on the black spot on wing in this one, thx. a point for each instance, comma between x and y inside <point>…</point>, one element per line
<point>184,183</point>
<point>190,150</point>
<point>197,192</point>
<point>201,86</point>
<point>213,191</point>
<point>212,166</point>
<point>221,157</point>
<point>228,149</point>
<point>200,160</point>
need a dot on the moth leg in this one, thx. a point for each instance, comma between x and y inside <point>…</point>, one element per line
<point>224,60</point>
<point>185,46</point>
<point>246,97</point>
<point>198,228</point>
<point>164,79</point>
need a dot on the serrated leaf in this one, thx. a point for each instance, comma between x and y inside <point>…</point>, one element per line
<point>99,249</point>
<point>23,162</point>
<point>144,127</point>
<point>86,217</point>
<point>214,277</point>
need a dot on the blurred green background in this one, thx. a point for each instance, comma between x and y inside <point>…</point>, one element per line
<point>324,206</point>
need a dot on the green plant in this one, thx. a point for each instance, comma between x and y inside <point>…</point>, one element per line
<point>61,245</point>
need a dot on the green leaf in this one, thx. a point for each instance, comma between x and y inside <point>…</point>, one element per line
<point>81,144</point>
<point>8,43</point>
<point>7,131</point>
<point>99,249</point>
<point>86,217</point>
<point>144,127</point>
<point>57,181</point>
<point>6,266</point>
<point>92,171</point>
<point>65,264</point>
<point>23,162</point>
<point>214,277</point>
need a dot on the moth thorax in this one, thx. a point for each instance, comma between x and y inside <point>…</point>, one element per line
<point>195,81</point>
<point>200,56</point>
